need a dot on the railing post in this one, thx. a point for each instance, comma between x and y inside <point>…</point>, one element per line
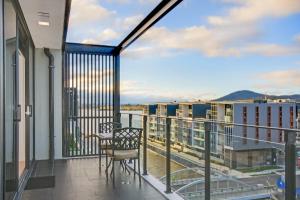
<point>117,117</point>
<point>130,120</point>
<point>207,160</point>
<point>168,155</point>
<point>290,165</point>
<point>130,125</point>
<point>145,145</point>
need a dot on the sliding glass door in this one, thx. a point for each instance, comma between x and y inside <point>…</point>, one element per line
<point>19,79</point>
<point>10,33</point>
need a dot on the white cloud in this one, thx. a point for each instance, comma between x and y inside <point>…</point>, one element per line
<point>279,80</point>
<point>250,11</point>
<point>271,49</point>
<point>234,34</point>
<point>134,1</point>
<point>138,91</point>
<point>88,11</point>
<point>131,21</point>
<point>297,38</point>
<point>106,35</point>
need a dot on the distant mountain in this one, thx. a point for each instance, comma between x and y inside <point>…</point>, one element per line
<point>247,94</point>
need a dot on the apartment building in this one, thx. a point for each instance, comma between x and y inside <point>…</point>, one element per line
<point>185,129</point>
<point>157,118</point>
<point>150,111</point>
<point>298,114</point>
<point>242,146</point>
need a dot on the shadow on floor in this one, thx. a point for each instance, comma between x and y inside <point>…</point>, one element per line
<point>78,179</point>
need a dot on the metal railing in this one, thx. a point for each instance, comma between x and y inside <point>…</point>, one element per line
<point>166,149</point>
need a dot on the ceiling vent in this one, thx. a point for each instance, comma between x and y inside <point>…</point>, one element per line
<point>43,19</point>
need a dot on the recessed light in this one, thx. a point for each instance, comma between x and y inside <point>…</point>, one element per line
<point>43,19</point>
<point>41,23</point>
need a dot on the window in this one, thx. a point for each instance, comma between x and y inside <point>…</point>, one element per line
<point>269,118</point>
<point>280,123</point>
<point>291,117</point>
<point>244,127</point>
<point>256,123</point>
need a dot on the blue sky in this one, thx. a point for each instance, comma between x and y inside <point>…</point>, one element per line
<point>201,50</point>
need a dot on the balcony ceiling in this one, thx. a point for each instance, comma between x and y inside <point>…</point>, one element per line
<point>45,36</point>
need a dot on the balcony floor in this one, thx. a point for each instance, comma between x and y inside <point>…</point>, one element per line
<point>78,179</point>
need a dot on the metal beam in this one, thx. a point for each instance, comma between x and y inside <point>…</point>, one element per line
<point>66,22</point>
<point>163,8</point>
<point>207,160</point>
<point>168,155</point>
<point>89,48</point>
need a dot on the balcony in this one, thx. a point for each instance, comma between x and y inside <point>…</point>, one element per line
<point>80,179</point>
<point>57,94</point>
<point>186,165</point>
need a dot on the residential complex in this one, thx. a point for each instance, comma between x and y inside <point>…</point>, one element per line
<point>232,139</point>
<point>242,146</point>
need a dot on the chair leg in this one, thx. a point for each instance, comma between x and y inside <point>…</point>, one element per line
<point>134,172</point>
<point>139,170</point>
<point>100,153</point>
<point>106,158</point>
<point>113,171</point>
<point>106,169</point>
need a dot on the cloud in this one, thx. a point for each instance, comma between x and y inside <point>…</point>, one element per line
<point>92,23</point>
<point>279,80</point>
<point>138,92</point>
<point>131,21</point>
<point>236,33</point>
<point>88,11</point>
<point>271,49</point>
<point>134,1</point>
<point>251,11</point>
<point>90,81</point>
<point>209,42</point>
<point>297,38</point>
<point>106,35</point>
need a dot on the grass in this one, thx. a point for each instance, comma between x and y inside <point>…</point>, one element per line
<point>258,169</point>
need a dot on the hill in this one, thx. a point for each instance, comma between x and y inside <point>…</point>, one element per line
<point>247,94</point>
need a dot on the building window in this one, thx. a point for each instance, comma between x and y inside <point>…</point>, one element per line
<point>291,117</point>
<point>280,124</point>
<point>269,119</point>
<point>256,123</point>
<point>245,123</point>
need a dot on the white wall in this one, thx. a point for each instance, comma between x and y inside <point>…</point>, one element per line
<point>42,104</point>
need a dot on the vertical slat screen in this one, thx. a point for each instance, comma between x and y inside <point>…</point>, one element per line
<point>88,97</point>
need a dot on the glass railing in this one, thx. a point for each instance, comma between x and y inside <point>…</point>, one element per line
<point>218,160</point>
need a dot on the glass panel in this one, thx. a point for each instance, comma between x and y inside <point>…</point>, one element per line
<point>31,79</point>
<point>10,61</point>
<point>253,163</point>
<point>22,122</point>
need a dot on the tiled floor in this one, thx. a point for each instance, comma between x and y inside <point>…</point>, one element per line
<point>78,179</point>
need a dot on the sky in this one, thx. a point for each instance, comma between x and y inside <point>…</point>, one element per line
<point>200,50</point>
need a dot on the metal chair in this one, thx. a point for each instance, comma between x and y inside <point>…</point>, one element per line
<point>104,143</point>
<point>126,144</point>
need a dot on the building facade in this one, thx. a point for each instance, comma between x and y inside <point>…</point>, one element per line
<point>244,146</point>
<point>187,129</point>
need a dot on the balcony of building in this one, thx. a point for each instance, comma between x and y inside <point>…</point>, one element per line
<point>50,112</point>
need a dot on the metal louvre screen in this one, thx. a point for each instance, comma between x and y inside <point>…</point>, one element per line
<point>90,96</point>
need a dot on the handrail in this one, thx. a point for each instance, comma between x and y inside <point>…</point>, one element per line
<point>219,122</point>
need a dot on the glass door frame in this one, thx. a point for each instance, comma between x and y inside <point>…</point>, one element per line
<point>23,43</point>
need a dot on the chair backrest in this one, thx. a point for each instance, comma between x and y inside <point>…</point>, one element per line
<point>126,138</point>
<point>108,127</point>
